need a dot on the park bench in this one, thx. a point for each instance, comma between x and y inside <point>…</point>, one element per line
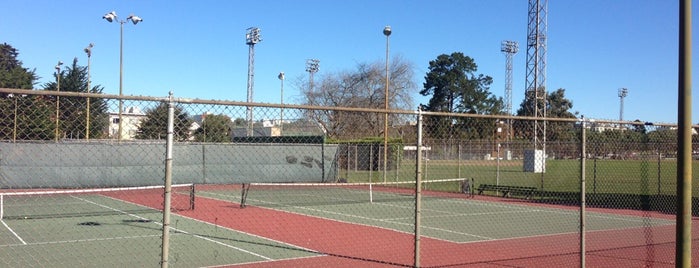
<point>507,191</point>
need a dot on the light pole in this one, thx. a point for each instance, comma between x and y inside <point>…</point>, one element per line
<point>623,92</point>
<point>281,112</point>
<point>387,33</point>
<point>112,17</point>
<point>88,51</point>
<point>252,37</point>
<point>58,98</point>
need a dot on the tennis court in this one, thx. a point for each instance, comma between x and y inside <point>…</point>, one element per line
<point>377,226</point>
<point>104,230</point>
<point>301,225</point>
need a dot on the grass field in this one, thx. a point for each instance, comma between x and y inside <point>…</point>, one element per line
<point>635,177</point>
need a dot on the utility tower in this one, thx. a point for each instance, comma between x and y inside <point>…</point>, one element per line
<point>510,48</point>
<point>312,66</point>
<point>252,37</point>
<point>535,91</point>
<point>623,92</point>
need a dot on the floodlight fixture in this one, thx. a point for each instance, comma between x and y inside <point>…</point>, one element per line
<point>387,30</point>
<point>88,49</point>
<point>252,36</point>
<point>312,65</point>
<point>110,17</point>
<point>135,19</point>
<point>58,67</point>
<point>510,47</point>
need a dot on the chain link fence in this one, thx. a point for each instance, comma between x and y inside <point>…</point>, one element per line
<point>104,180</point>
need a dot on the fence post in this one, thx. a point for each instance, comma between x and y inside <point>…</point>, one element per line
<point>418,186</point>
<point>583,154</point>
<point>168,181</point>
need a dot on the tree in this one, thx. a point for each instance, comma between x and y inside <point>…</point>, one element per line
<point>214,128</point>
<point>364,87</point>
<point>12,74</point>
<point>22,108</point>
<point>154,125</point>
<point>557,106</point>
<point>454,87</point>
<point>73,111</point>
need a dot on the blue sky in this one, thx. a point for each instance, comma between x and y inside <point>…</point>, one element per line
<point>197,48</point>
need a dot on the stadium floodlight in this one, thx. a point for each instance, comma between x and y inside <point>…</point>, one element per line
<point>252,37</point>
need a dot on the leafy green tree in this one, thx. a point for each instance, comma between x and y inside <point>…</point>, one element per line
<point>12,74</point>
<point>214,128</point>
<point>16,109</point>
<point>30,117</point>
<point>74,112</point>
<point>154,125</point>
<point>557,106</point>
<point>456,88</point>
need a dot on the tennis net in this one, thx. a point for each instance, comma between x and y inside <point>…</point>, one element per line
<point>349,192</point>
<point>58,203</point>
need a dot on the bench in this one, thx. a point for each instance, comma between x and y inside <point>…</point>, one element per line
<point>507,191</point>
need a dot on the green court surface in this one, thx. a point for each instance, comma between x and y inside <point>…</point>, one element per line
<point>107,232</point>
<point>101,231</point>
<point>451,217</point>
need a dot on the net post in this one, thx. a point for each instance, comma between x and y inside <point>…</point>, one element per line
<point>244,194</point>
<point>2,206</point>
<point>192,193</point>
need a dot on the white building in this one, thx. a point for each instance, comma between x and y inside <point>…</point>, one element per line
<point>130,121</point>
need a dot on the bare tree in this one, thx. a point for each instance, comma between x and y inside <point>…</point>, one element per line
<point>364,87</point>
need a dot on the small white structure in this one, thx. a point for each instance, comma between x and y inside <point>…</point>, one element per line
<point>534,161</point>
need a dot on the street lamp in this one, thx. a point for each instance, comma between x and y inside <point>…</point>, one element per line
<point>387,33</point>
<point>58,98</point>
<point>88,51</point>
<point>112,17</point>
<point>281,112</point>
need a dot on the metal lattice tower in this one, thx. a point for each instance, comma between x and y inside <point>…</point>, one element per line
<point>536,68</point>
<point>510,48</point>
<point>312,66</point>
<point>252,37</point>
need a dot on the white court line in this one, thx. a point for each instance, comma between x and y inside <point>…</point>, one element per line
<point>233,230</point>
<point>13,232</point>
<point>361,217</point>
<point>514,209</point>
<point>83,240</point>
<point>178,230</point>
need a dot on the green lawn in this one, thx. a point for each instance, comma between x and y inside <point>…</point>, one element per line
<point>636,177</point>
